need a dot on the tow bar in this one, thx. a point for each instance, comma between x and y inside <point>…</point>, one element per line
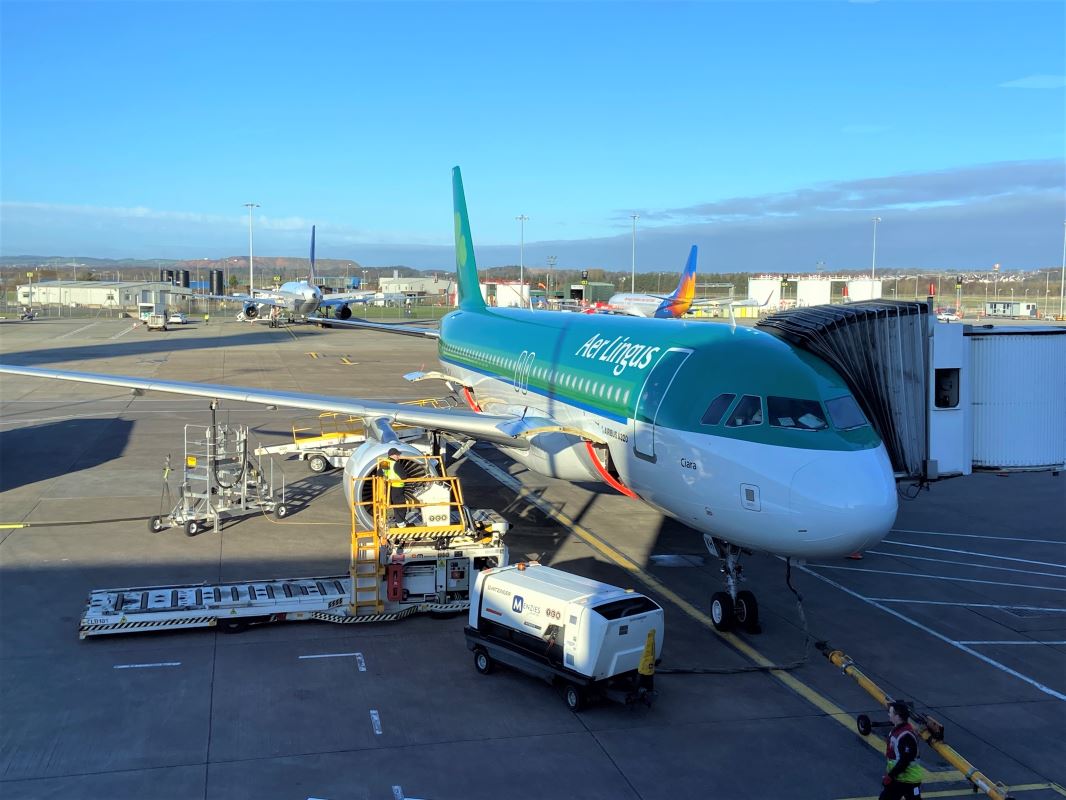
<point>931,730</point>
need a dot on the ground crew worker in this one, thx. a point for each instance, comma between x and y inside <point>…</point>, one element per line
<point>207,319</point>
<point>903,778</point>
<point>396,487</point>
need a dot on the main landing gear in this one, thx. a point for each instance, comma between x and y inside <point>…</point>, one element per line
<point>732,608</point>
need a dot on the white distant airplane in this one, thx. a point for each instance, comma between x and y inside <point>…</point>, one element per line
<point>671,306</point>
<point>293,299</point>
<point>746,438</point>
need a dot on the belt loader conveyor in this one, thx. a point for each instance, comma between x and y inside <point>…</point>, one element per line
<point>416,577</point>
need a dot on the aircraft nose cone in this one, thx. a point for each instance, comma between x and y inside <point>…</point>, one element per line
<point>845,501</point>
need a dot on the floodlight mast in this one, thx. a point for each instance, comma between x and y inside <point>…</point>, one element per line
<point>251,268</point>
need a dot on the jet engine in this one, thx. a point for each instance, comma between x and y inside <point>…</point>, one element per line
<point>363,463</point>
<point>251,311</point>
<point>342,312</point>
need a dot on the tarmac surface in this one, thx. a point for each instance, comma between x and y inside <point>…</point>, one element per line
<point>962,609</point>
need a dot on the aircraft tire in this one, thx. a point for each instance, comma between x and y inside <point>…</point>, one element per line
<point>722,614</point>
<point>746,611</point>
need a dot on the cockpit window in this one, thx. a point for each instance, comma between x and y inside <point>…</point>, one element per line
<point>845,413</point>
<point>748,411</point>
<point>791,412</point>
<point>715,411</point>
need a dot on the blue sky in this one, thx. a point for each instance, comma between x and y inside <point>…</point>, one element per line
<point>768,133</point>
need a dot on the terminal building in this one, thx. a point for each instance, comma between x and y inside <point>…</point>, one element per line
<point>112,295</point>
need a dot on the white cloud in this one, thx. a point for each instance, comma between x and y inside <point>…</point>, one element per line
<point>1036,82</point>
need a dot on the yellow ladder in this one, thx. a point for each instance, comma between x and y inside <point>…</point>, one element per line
<point>366,570</point>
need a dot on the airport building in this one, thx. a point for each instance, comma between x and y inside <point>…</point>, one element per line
<point>434,288</point>
<point>115,295</point>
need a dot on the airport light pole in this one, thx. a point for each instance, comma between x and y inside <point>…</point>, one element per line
<point>633,280</point>
<point>521,219</point>
<point>1062,283</point>
<point>251,276</point>
<point>873,260</point>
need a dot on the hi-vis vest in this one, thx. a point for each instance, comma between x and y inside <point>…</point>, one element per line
<point>914,772</point>
<point>392,476</point>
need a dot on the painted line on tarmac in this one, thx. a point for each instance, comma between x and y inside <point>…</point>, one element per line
<point>909,601</point>
<point>962,641</point>
<point>1026,787</point>
<point>124,332</point>
<point>375,720</point>
<point>927,577</point>
<point>148,666</point>
<point>335,655</point>
<point>965,564</point>
<point>821,702</point>
<point>979,536</point>
<point>947,640</point>
<point>979,555</point>
<point>78,330</point>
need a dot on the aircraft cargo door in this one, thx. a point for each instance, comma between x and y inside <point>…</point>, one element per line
<point>651,397</point>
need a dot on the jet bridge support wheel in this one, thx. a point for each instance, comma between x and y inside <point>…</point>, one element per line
<point>193,527</point>
<point>155,524</point>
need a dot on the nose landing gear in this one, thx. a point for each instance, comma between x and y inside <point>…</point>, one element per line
<point>732,607</point>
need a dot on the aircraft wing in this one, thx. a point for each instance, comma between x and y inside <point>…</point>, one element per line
<point>259,300</point>
<point>343,300</point>
<point>510,430</point>
<point>386,327</point>
<point>725,301</point>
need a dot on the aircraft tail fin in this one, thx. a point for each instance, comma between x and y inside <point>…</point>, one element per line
<point>311,272</point>
<point>677,303</point>
<point>470,297</point>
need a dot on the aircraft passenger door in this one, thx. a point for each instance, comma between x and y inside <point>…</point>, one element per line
<point>651,397</point>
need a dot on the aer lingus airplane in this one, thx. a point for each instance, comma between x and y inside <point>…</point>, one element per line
<point>750,441</point>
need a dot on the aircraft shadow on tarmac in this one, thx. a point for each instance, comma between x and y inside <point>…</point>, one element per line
<point>140,347</point>
<point>42,452</point>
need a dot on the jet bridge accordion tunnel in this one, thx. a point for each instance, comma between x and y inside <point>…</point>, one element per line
<point>945,398</point>
<point>881,350</point>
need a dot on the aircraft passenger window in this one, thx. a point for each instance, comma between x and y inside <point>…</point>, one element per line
<point>791,412</point>
<point>717,408</point>
<point>747,412</point>
<point>844,413</point>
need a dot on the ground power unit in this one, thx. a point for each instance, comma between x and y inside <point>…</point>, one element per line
<point>587,638</point>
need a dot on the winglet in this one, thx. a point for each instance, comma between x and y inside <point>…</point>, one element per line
<point>470,298</point>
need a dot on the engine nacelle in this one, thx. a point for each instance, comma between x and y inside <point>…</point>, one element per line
<point>557,455</point>
<point>342,312</point>
<point>251,311</point>
<point>362,464</point>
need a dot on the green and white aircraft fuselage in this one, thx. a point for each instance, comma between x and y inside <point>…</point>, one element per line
<point>641,390</point>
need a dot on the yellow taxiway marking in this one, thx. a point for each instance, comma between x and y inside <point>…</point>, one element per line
<point>313,355</point>
<point>350,363</point>
<point>6,525</point>
<point>819,701</point>
<point>1025,787</point>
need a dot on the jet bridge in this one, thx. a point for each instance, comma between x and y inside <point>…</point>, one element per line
<point>946,398</point>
